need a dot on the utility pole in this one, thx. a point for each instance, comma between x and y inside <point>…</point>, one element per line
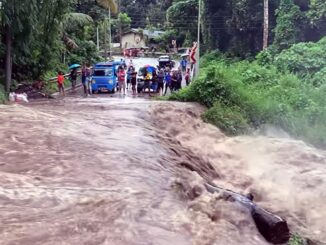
<point>97,39</point>
<point>106,31</point>
<point>8,59</point>
<point>110,34</point>
<point>198,38</point>
<point>120,23</point>
<point>266,24</point>
<point>105,39</point>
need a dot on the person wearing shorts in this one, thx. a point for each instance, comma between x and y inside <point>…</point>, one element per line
<point>183,65</point>
<point>73,78</point>
<point>154,84</point>
<point>160,78</point>
<point>121,80</point>
<point>129,72</point>
<point>60,81</point>
<point>84,79</point>
<point>147,81</point>
<point>187,76</point>
<point>133,82</point>
<point>168,82</point>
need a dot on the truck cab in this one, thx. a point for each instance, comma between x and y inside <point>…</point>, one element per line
<point>104,77</point>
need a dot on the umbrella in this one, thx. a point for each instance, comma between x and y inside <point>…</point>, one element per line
<point>150,68</point>
<point>184,55</point>
<point>74,66</point>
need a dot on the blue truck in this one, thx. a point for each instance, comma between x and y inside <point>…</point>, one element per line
<point>104,77</point>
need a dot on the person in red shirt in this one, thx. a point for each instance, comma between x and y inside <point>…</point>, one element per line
<point>60,80</point>
<point>121,80</point>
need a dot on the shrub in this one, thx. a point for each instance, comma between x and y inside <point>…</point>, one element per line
<point>186,94</point>
<point>86,53</point>
<point>3,97</point>
<point>245,94</point>
<point>229,119</point>
<point>304,59</point>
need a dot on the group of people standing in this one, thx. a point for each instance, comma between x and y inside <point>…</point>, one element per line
<point>130,76</point>
<point>85,76</point>
<point>173,79</point>
<point>159,81</point>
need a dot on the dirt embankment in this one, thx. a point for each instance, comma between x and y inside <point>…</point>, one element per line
<point>286,176</point>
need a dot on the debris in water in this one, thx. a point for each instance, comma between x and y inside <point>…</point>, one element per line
<point>273,228</point>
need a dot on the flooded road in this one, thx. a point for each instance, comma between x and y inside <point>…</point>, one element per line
<point>116,171</point>
<point>123,170</point>
<point>85,172</point>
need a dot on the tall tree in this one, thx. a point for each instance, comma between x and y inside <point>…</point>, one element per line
<point>289,24</point>
<point>182,17</point>
<point>266,24</point>
<point>18,20</point>
<point>109,4</point>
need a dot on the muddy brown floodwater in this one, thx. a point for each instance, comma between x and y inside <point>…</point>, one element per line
<point>123,171</point>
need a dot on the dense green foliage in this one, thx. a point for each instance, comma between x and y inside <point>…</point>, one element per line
<point>146,13</point>
<point>47,36</point>
<point>307,60</point>
<point>2,94</point>
<point>297,240</point>
<point>232,26</point>
<point>242,95</point>
<point>289,18</point>
<point>236,26</point>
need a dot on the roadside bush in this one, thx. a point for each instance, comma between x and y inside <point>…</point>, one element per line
<point>229,119</point>
<point>318,78</point>
<point>186,94</point>
<point>307,60</point>
<point>85,53</point>
<point>266,57</point>
<point>3,97</point>
<point>303,58</point>
<point>245,94</point>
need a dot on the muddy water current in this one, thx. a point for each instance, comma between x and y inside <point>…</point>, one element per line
<point>131,171</point>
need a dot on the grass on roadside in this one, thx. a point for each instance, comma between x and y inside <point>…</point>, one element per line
<point>3,97</point>
<point>297,240</point>
<point>242,95</point>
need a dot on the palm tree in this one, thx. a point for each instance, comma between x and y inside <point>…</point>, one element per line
<point>14,19</point>
<point>112,6</point>
<point>69,20</point>
<point>109,5</point>
<point>81,19</point>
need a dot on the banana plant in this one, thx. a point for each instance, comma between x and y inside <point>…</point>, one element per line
<point>109,5</point>
<point>70,20</point>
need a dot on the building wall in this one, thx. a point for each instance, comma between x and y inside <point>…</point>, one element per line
<point>132,40</point>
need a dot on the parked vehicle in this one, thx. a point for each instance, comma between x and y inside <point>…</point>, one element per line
<point>104,77</point>
<point>131,52</point>
<point>165,61</point>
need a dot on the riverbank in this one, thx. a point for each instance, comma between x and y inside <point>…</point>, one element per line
<point>286,176</point>
<point>243,96</point>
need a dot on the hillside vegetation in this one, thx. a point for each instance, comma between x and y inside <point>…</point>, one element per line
<point>283,91</point>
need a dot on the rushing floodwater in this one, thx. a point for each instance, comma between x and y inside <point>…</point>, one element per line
<point>112,171</point>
